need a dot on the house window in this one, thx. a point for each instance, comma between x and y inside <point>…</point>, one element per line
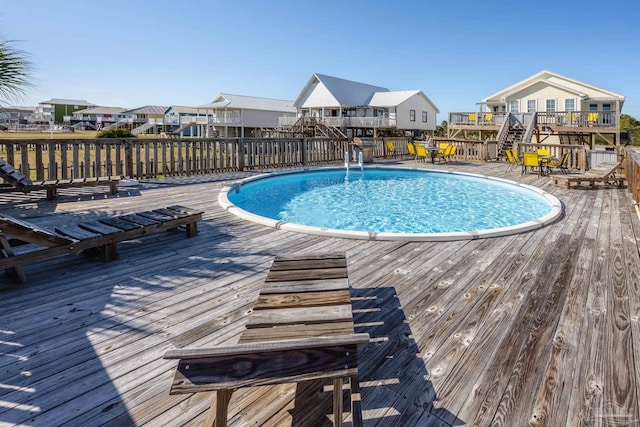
<point>513,106</point>
<point>606,107</point>
<point>593,107</point>
<point>424,117</point>
<point>531,105</point>
<point>551,105</point>
<point>412,115</point>
<point>569,105</point>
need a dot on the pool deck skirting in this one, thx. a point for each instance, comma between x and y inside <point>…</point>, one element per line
<point>536,328</point>
<point>556,212</point>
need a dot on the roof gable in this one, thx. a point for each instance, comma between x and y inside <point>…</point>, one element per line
<point>181,109</point>
<point>346,93</point>
<point>395,98</point>
<point>553,79</point>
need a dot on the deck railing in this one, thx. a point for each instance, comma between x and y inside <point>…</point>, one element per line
<point>149,158</point>
<point>368,122</point>
<point>599,118</point>
<point>146,158</point>
<point>577,158</point>
<point>632,172</point>
<point>477,119</point>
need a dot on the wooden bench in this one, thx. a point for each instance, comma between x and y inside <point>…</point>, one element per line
<point>101,235</point>
<point>17,181</point>
<point>301,329</point>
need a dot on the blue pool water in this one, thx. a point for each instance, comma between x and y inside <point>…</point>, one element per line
<point>391,201</point>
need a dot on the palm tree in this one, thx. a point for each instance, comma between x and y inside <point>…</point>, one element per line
<point>15,72</point>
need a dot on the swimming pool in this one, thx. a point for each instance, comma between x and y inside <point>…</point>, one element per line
<point>391,204</point>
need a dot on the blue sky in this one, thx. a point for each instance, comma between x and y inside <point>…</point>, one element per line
<point>143,52</point>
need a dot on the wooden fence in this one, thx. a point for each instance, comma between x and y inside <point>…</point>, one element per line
<point>150,158</point>
<point>632,172</point>
<point>146,158</point>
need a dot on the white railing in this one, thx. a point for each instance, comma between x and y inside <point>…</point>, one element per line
<point>345,122</point>
<point>231,118</point>
<point>183,120</point>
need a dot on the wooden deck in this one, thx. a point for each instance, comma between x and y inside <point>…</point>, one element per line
<point>541,328</point>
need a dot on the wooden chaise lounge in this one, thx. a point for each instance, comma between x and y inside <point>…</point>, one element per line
<point>301,328</point>
<point>99,236</point>
<point>602,172</point>
<point>14,180</point>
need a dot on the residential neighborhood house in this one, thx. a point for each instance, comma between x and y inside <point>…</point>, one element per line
<point>238,116</point>
<point>338,106</point>
<point>544,107</point>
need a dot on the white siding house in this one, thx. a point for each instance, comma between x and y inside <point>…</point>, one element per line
<point>244,116</point>
<point>547,107</point>
<point>359,108</point>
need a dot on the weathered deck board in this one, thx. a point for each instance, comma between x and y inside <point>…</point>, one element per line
<point>541,327</point>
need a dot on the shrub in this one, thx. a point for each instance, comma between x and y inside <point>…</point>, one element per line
<point>116,133</point>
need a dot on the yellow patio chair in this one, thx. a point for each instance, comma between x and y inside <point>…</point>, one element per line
<point>472,117</point>
<point>488,117</point>
<point>442,148</point>
<point>543,152</point>
<point>391,149</point>
<point>421,152</point>
<point>448,152</point>
<point>411,148</point>
<point>592,118</point>
<point>512,158</point>
<point>562,164</point>
<point>530,160</point>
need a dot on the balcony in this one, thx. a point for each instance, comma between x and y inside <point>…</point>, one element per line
<point>345,122</point>
<point>567,120</point>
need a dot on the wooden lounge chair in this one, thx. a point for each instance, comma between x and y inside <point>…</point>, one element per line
<point>301,328</point>
<point>17,181</point>
<point>100,236</point>
<point>603,172</point>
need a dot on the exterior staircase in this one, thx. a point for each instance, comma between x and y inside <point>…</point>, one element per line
<point>143,127</point>
<point>118,124</point>
<point>176,133</point>
<point>515,131</point>
<point>325,131</point>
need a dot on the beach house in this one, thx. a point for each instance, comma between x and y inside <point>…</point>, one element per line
<point>545,107</point>
<point>336,105</point>
<point>59,110</point>
<point>239,116</point>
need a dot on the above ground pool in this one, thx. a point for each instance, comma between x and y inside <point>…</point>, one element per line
<point>391,204</point>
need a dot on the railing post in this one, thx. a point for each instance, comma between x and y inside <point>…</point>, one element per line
<point>128,159</point>
<point>240,153</point>
<point>53,169</point>
<point>304,152</point>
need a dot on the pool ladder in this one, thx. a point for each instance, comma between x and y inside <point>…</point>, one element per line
<point>360,161</point>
